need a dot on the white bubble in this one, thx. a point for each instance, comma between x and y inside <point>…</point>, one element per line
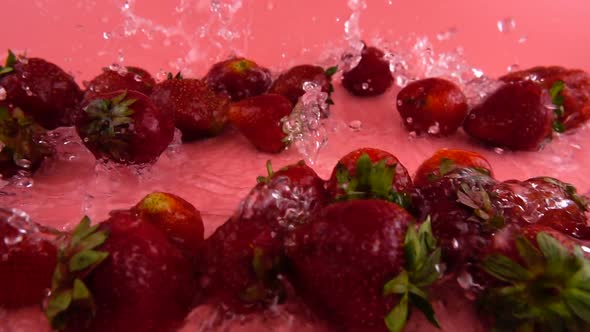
<point>506,25</point>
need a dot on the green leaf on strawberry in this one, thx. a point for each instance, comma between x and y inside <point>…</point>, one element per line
<point>479,200</point>
<point>9,64</point>
<point>420,271</point>
<point>269,171</point>
<point>371,180</point>
<point>548,291</point>
<point>77,256</point>
<point>557,98</point>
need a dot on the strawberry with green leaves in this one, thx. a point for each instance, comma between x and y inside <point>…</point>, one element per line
<point>40,88</point>
<point>121,275</point>
<point>198,111</point>
<point>125,127</point>
<point>542,284</point>
<point>239,78</point>
<point>126,78</point>
<point>243,259</point>
<point>176,217</point>
<point>259,120</point>
<point>28,255</point>
<point>23,143</point>
<point>362,266</point>
<point>290,83</point>
<point>370,173</point>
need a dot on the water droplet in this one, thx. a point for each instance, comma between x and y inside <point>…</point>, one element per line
<point>455,244</point>
<point>355,125</point>
<point>506,25</point>
<point>2,93</point>
<point>24,163</point>
<point>499,150</point>
<point>434,129</point>
<point>25,182</point>
<point>513,68</point>
<point>115,67</point>
<point>447,34</point>
<point>477,72</point>
<point>523,39</point>
<point>401,81</point>
<point>10,240</point>
<point>107,35</point>
<point>365,86</point>
<point>28,91</point>
<point>137,78</point>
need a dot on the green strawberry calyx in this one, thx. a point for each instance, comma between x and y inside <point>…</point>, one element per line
<point>330,71</point>
<point>109,124</point>
<point>171,76</point>
<point>371,180</point>
<point>557,98</point>
<point>76,258</point>
<point>421,270</point>
<point>266,288</point>
<point>269,171</point>
<point>549,290</point>
<point>479,200</point>
<point>9,64</point>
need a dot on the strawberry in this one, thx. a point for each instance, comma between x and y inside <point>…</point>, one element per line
<point>445,160</point>
<point>40,88</point>
<point>545,201</point>
<point>362,266</point>
<point>569,90</point>
<point>28,259</point>
<point>259,119</point>
<point>177,218</point>
<point>515,116</point>
<point>120,275</point>
<point>125,127</point>
<point>127,78</point>
<point>244,258</point>
<point>433,105</point>
<point>198,111</point>
<point>543,283</point>
<point>462,214</point>
<point>371,76</point>
<point>370,173</point>
<point>239,78</point>
<point>290,83</point>
<point>23,144</point>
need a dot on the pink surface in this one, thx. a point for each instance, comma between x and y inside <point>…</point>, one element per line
<point>215,174</point>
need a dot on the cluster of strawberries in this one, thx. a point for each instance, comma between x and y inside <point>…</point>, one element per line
<point>125,116</point>
<point>362,250</point>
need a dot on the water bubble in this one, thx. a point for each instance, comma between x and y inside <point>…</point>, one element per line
<point>107,35</point>
<point>10,240</point>
<point>506,25</point>
<point>401,81</point>
<point>499,150</point>
<point>513,68</point>
<point>409,120</point>
<point>2,93</point>
<point>523,39</point>
<point>24,163</point>
<point>447,34</point>
<point>24,182</point>
<point>355,125</point>
<point>434,129</point>
<point>365,86</point>
<point>477,72</point>
<point>28,90</point>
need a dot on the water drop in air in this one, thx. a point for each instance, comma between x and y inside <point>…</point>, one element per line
<point>506,25</point>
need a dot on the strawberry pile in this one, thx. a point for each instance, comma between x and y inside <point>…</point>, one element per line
<point>522,114</point>
<point>363,251</point>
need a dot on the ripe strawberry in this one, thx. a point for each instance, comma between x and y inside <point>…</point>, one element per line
<point>462,214</point>
<point>177,218</point>
<point>370,173</point>
<point>41,89</point>
<point>515,116</point>
<point>28,257</point>
<point>126,127</point>
<point>445,160</point>
<point>259,119</point>
<point>371,77</point>
<point>242,260</point>
<point>545,201</point>
<point>543,286</point>
<point>569,90</point>
<point>361,265</point>
<point>23,144</point>
<point>239,78</point>
<point>128,78</point>
<point>432,105</point>
<point>290,83</point>
<point>198,111</point>
<point>120,275</point>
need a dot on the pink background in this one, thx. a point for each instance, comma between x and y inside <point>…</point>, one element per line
<point>70,32</point>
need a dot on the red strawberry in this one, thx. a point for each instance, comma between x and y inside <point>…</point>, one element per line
<point>370,173</point>
<point>239,78</point>
<point>371,77</point>
<point>290,83</point>
<point>27,261</point>
<point>445,160</point>
<point>515,116</point>
<point>41,89</point>
<point>120,275</point>
<point>545,201</point>
<point>23,145</point>
<point>433,105</point>
<point>542,285</point>
<point>179,219</point>
<point>198,111</point>
<point>259,119</point>
<point>127,78</point>
<point>569,90</point>
<point>126,127</point>
<point>244,257</point>
<point>355,261</point>
<point>462,214</point>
